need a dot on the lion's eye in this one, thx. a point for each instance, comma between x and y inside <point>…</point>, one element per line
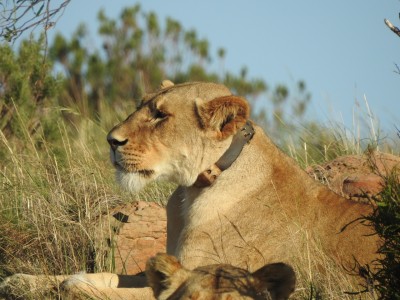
<point>158,114</point>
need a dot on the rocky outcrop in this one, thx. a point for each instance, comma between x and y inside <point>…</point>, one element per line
<point>356,177</point>
<point>139,233</point>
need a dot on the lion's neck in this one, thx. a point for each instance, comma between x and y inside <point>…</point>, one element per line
<point>247,175</point>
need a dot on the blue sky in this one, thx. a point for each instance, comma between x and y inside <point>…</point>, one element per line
<point>341,49</point>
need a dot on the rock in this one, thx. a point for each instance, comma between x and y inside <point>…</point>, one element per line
<point>140,232</point>
<point>356,177</point>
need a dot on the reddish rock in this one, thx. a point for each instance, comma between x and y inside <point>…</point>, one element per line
<point>356,176</point>
<point>140,234</point>
<point>360,185</point>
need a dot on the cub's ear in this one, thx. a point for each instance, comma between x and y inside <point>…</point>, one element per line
<point>223,115</point>
<point>159,270</point>
<point>277,279</point>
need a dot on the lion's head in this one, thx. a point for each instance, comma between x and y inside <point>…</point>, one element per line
<point>176,133</point>
<point>169,280</point>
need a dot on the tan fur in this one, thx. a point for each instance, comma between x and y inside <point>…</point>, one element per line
<point>215,114</point>
<point>262,209</point>
<point>170,280</point>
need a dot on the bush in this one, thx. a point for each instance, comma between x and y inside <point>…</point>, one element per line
<point>386,222</point>
<point>26,82</point>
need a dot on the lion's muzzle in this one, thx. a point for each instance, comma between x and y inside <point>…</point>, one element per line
<point>115,142</point>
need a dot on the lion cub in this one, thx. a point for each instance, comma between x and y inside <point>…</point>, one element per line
<point>170,280</point>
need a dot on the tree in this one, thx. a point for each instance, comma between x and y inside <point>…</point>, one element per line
<point>392,27</point>
<point>18,16</point>
<point>138,52</point>
<point>26,87</point>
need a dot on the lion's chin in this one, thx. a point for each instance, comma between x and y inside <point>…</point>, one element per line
<point>132,182</point>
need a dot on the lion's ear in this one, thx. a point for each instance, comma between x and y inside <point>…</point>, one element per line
<point>166,84</point>
<point>223,115</point>
<point>159,270</point>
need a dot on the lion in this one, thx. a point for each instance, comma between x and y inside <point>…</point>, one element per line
<point>170,280</point>
<point>240,200</point>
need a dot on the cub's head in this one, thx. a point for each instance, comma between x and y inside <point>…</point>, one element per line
<point>176,133</point>
<point>169,280</point>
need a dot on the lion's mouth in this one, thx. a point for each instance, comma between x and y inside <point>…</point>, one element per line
<point>120,166</point>
<point>143,172</point>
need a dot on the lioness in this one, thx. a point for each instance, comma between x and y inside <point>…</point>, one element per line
<point>170,280</point>
<point>240,199</point>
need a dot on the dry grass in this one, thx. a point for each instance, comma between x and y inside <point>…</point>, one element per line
<point>52,194</point>
<point>319,277</point>
<point>53,198</point>
<point>321,143</point>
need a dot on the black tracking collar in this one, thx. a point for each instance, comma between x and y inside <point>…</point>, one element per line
<point>241,138</point>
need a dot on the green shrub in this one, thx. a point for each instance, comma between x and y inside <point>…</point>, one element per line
<point>28,91</point>
<point>386,222</point>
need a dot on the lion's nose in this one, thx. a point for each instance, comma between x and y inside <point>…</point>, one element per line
<point>116,142</point>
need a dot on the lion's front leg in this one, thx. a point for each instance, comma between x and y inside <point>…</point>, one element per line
<point>106,286</point>
<point>91,292</point>
<point>78,286</point>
